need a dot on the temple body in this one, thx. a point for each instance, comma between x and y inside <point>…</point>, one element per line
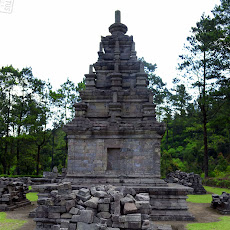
<point>114,137</point>
<point>115,133</point>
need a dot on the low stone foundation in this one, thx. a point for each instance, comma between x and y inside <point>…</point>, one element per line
<point>12,194</point>
<point>102,207</point>
<point>221,203</point>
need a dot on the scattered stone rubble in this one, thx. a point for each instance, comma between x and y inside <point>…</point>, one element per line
<point>12,193</point>
<point>50,177</point>
<point>187,179</point>
<point>54,174</point>
<point>102,207</point>
<point>221,203</point>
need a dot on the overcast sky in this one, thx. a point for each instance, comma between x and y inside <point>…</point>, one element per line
<point>60,39</point>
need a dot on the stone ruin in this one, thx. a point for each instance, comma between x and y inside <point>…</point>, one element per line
<point>115,137</point>
<point>221,203</point>
<point>187,179</point>
<point>49,177</point>
<point>54,174</point>
<point>101,207</point>
<point>12,193</point>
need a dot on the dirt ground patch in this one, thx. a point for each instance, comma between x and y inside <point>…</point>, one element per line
<point>22,214</point>
<point>202,212</point>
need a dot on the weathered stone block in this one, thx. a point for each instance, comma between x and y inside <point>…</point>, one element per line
<point>104,215</point>
<point>127,200</point>
<point>65,224</point>
<point>86,216</point>
<point>92,202</point>
<point>55,227</point>
<point>74,211</point>
<point>142,197</point>
<point>129,208</point>
<point>72,226</point>
<point>103,207</point>
<point>85,226</point>
<point>59,209</point>
<point>66,216</point>
<point>69,205</point>
<point>54,215</point>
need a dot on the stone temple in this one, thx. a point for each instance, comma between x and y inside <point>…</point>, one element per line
<point>114,137</point>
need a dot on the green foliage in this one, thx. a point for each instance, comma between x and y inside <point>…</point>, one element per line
<point>217,182</point>
<point>16,176</point>
<point>197,118</point>
<point>27,105</point>
<point>10,224</point>
<point>157,87</point>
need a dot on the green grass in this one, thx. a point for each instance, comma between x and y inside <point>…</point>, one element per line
<point>224,224</point>
<point>207,198</point>
<point>32,196</point>
<point>10,224</point>
<point>215,190</point>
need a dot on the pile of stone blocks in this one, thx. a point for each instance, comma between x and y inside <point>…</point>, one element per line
<point>187,179</point>
<point>50,177</point>
<point>54,174</point>
<point>12,194</point>
<point>221,203</point>
<point>102,207</point>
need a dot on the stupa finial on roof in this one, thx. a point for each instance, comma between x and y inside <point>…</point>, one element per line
<point>117,16</point>
<point>118,28</point>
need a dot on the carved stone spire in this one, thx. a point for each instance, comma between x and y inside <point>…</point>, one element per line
<point>118,28</point>
<point>117,16</point>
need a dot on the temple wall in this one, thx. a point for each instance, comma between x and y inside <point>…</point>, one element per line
<point>114,156</point>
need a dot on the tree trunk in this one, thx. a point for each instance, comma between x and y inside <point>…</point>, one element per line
<point>167,135</point>
<point>52,157</point>
<point>18,158</point>
<point>66,150</point>
<point>205,143</point>
<point>38,160</point>
<point>4,158</point>
<point>18,142</point>
<point>204,113</point>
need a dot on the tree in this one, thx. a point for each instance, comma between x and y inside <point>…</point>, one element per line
<point>24,110</point>
<point>205,69</point>
<point>157,86</point>
<point>63,101</point>
<point>9,79</point>
<point>180,100</point>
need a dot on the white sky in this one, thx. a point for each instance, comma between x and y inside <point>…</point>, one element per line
<point>60,39</point>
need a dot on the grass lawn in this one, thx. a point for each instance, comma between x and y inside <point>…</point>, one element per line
<point>32,196</point>
<point>223,224</point>
<point>9,224</point>
<point>216,190</point>
<point>207,198</point>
